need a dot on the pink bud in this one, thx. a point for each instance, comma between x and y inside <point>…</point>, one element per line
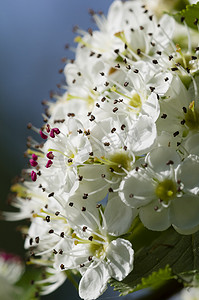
<point>33,176</point>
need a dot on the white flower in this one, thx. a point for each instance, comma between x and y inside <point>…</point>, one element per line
<point>93,250</point>
<point>163,190</point>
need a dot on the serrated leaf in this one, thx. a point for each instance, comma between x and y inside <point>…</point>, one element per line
<point>179,252</point>
<point>190,14</point>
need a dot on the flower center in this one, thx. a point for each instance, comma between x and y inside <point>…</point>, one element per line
<point>166,190</point>
<point>120,161</point>
<point>97,246</point>
<point>135,101</point>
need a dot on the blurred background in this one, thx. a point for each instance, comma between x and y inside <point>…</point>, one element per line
<point>33,35</point>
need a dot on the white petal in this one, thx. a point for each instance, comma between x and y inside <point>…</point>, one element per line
<point>137,189</point>
<point>154,220</point>
<point>142,135</point>
<point>184,212</point>
<point>160,156</point>
<point>188,173</point>
<point>94,282</point>
<point>119,217</point>
<point>121,256</point>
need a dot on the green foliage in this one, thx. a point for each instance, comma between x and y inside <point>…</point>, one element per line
<point>190,14</point>
<point>171,255</point>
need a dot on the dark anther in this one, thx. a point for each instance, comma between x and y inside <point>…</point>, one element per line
<point>175,133</point>
<point>51,194</point>
<point>62,234</point>
<point>83,208</point>
<point>48,219</point>
<point>170,162</point>
<point>51,231</point>
<point>182,122</point>
<point>163,116</point>
<point>84,228</point>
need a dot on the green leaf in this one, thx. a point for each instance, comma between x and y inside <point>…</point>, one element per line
<point>190,14</point>
<point>169,255</point>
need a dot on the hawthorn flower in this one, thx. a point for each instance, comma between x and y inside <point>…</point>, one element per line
<point>94,249</point>
<point>163,190</point>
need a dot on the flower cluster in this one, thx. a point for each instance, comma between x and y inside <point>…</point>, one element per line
<point>121,143</point>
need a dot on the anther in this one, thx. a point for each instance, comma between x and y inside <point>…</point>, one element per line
<point>85,196</point>
<point>48,219</point>
<point>51,231</point>
<point>131,195</point>
<point>37,240</point>
<point>43,136</point>
<point>49,163</point>
<point>170,162</point>
<point>83,208</point>
<point>84,228</point>
<point>80,178</point>
<point>152,88</point>
<point>110,190</point>
<point>175,133</point>
<point>90,238</point>
<point>71,204</point>
<point>164,116</point>
<point>174,69</point>
<point>126,84</point>
<point>184,109</point>
<point>123,126</point>
<point>98,205</point>
<point>92,118</point>
<point>62,234</point>
<point>196,21</point>
<point>57,213</point>
<point>113,130</point>
<point>50,155</point>
<point>51,194</point>
<point>115,109</point>
<point>33,176</point>
<point>182,122</point>
<point>155,62</point>
<point>62,267</point>
<point>90,258</point>
<point>182,19</point>
<point>106,144</point>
